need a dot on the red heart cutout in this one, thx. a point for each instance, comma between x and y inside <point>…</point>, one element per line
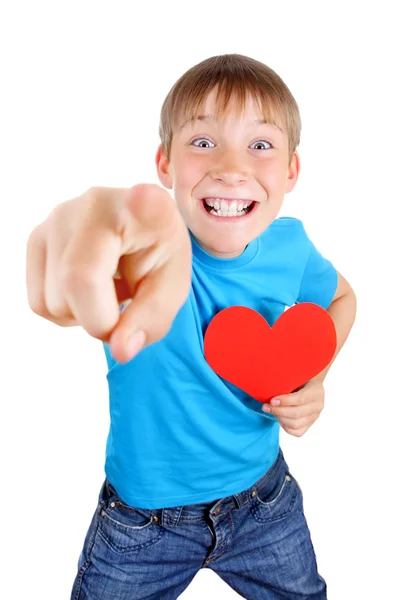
<point>242,348</point>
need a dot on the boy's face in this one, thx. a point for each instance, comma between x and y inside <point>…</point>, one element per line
<point>233,159</point>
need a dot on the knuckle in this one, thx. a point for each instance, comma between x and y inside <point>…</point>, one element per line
<point>37,306</point>
<point>151,188</point>
<point>56,212</point>
<point>54,307</point>
<point>95,200</point>
<point>147,190</point>
<point>33,238</point>
<point>154,188</point>
<point>293,431</point>
<point>92,194</point>
<point>75,278</point>
<point>297,432</point>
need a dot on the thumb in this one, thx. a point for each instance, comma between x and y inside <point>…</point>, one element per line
<point>148,210</point>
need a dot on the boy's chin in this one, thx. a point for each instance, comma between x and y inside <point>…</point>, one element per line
<point>223,249</point>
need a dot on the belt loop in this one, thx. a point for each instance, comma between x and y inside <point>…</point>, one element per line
<point>171,516</point>
<point>243,498</point>
<point>237,499</point>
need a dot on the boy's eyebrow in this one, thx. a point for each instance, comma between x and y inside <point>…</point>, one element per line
<point>211,118</point>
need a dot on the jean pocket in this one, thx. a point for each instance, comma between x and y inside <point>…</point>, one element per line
<point>277,502</point>
<point>125,528</point>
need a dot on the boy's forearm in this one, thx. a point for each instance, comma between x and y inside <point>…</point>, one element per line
<point>342,311</point>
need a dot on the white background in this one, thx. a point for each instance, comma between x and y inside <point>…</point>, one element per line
<point>82,87</point>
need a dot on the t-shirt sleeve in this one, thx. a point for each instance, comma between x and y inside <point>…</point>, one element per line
<point>320,278</point>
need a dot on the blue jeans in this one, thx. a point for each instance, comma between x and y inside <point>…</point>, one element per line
<point>257,541</point>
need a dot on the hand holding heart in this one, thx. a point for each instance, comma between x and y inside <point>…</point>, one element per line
<point>275,363</point>
<point>298,411</point>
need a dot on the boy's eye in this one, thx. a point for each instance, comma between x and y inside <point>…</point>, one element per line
<point>263,142</point>
<point>199,140</point>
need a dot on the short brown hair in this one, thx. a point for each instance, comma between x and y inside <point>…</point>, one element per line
<point>235,75</point>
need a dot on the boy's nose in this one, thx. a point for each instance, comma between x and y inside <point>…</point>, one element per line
<point>231,171</point>
<point>229,177</point>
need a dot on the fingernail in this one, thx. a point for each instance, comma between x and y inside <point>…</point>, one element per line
<point>136,342</point>
<point>276,402</point>
<point>266,408</point>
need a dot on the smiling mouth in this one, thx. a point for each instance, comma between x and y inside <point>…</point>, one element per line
<point>222,208</point>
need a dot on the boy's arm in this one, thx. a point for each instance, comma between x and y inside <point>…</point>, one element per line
<point>106,246</point>
<point>343,311</point>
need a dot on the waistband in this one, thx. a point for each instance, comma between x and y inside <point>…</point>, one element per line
<point>217,508</point>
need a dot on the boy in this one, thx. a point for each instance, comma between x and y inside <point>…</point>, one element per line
<point>195,477</point>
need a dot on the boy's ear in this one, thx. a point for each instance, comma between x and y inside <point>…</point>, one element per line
<point>293,172</point>
<point>163,168</point>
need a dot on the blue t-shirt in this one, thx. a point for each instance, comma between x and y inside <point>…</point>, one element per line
<point>180,434</point>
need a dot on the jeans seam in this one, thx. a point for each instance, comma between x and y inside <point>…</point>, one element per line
<point>89,548</point>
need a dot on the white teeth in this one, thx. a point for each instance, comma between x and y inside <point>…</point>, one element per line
<point>225,213</point>
<point>219,202</point>
<point>228,213</point>
<point>221,208</point>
